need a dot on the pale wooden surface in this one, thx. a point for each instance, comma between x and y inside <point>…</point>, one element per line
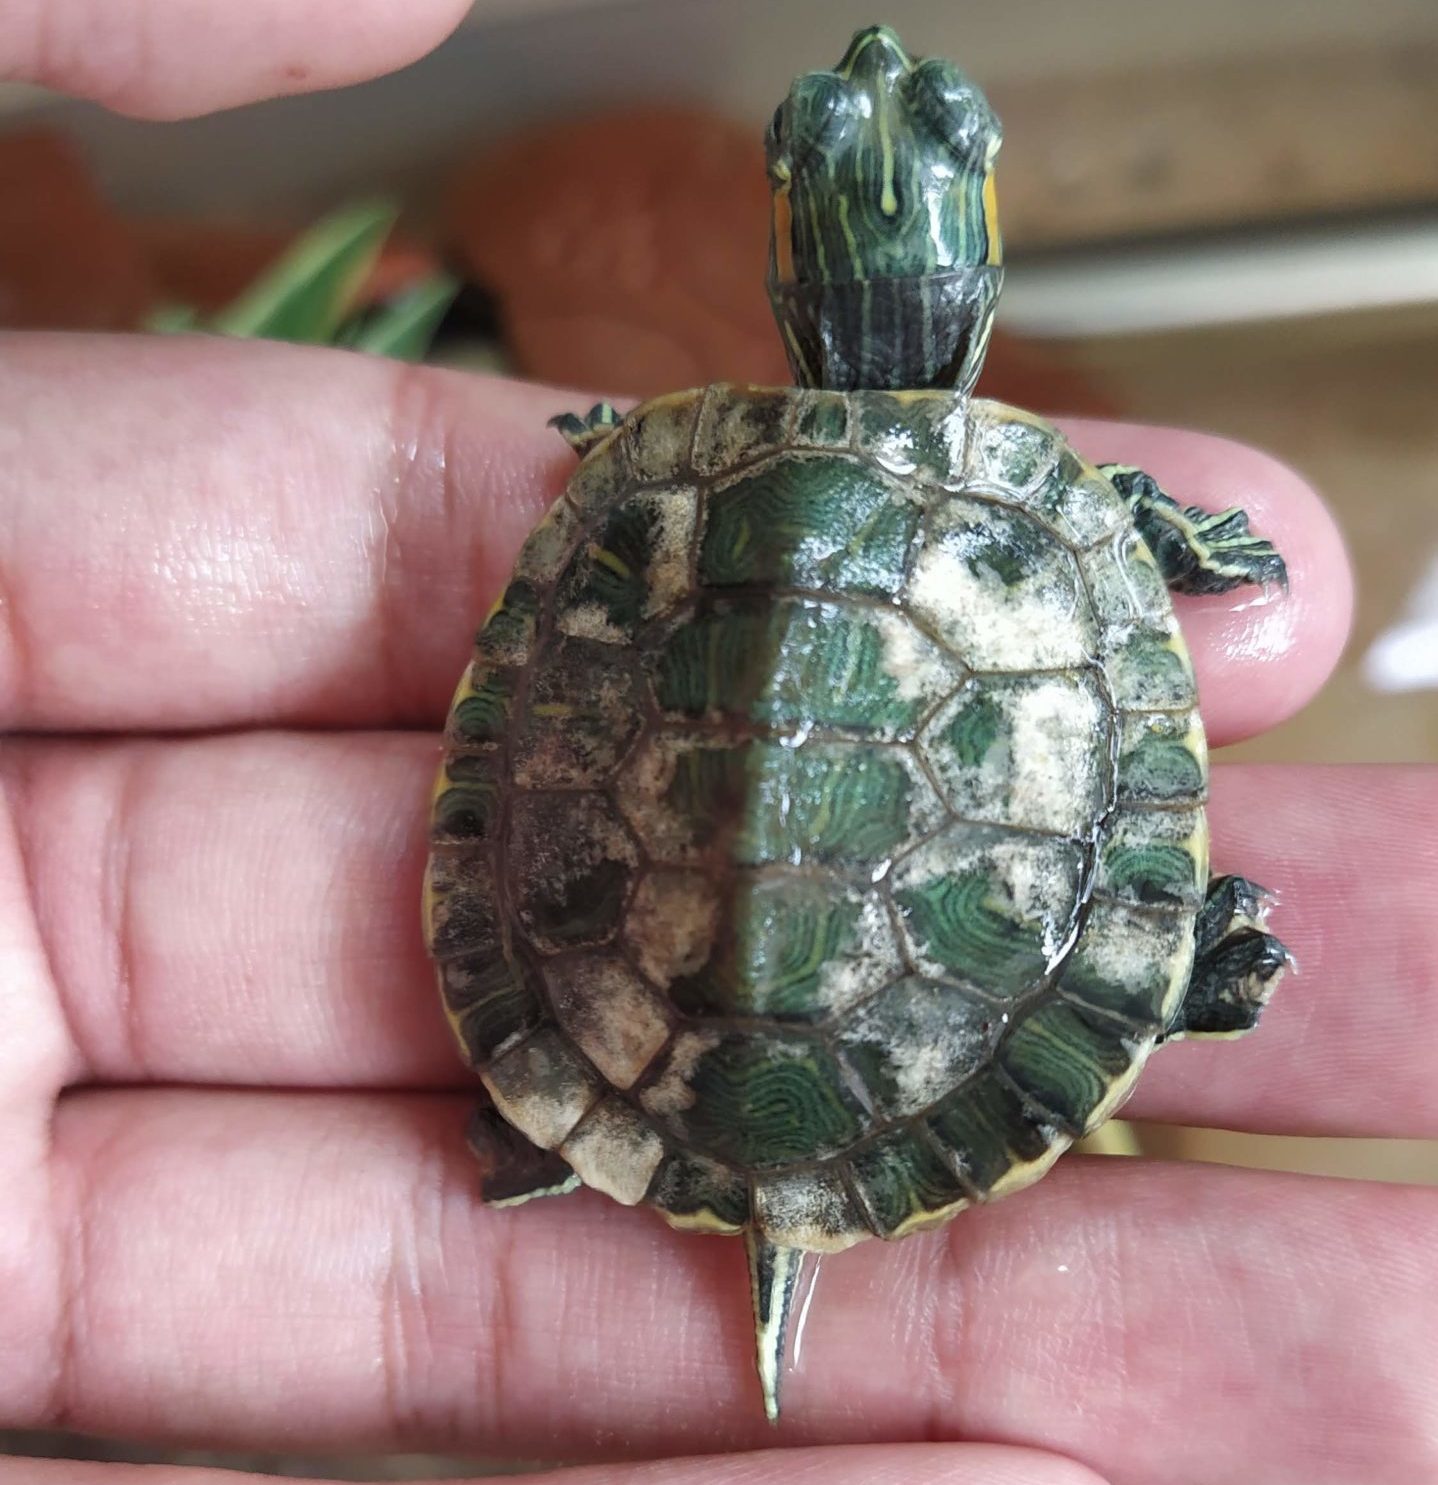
<point>1212,145</point>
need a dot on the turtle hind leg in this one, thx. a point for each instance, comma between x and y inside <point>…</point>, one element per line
<point>1197,551</point>
<point>514,1169</point>
<point>1237,963</point>
<point>773,1280</point>
<point>585,433</point>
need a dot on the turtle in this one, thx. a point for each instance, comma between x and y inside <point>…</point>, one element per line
<point>819,847</point>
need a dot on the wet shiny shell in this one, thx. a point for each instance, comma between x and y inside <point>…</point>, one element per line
<point>820,833</point>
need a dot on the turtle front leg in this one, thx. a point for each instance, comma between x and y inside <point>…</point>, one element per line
<point>1197,551</point>
<point>514,1169</point>
<point>587,432</point>
<point>1237,963</point>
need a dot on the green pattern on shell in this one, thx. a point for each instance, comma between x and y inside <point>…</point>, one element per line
<point>821,830</point>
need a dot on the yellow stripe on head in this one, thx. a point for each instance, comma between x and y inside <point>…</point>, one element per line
<point>991,220</point>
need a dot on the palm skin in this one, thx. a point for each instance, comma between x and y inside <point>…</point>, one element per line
<point>237,583</point>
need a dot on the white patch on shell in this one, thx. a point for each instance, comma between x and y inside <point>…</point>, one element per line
<point>810,1210</point>
<point>640,791</point>
<point>614,1018</point>
<point>542,1088</point>
<point>1042,622</point>
<point>1132,951</point>
<point>589,621</point>
<point>845,979</point>
<point>669,563</point>
<point>543,556</point>
<point>929,1038</point>
<point>1045,766</point>
<point>671,923</point>
<point>615,1151</point>
<point>1036,878</point>
<point>671,1093</point>
<point>919,669</point>
<point>1089,509</point>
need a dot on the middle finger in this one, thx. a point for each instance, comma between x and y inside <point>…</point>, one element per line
<point>262,925</point>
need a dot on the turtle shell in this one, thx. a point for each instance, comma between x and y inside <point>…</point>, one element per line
<point>820,834</point>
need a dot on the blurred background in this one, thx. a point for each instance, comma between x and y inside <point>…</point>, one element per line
<point>1223,216</point>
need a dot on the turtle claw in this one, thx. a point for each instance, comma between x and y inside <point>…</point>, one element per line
<point>1237,963</point>
<point>585,433</point>
<point>1198,551</point>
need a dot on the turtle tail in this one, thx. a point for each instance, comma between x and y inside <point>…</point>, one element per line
<point>773,1279</point>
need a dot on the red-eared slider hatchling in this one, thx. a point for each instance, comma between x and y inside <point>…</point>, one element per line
<point>820,846</point>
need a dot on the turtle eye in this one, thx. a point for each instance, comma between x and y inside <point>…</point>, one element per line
<point>954,111</point>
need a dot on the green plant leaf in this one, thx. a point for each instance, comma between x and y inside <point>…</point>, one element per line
<point>171,319</point>
<point>308,293</point>
<point>404,327</point>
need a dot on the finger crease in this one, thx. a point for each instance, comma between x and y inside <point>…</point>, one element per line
<point>117,909</point>
<point>419,435</point>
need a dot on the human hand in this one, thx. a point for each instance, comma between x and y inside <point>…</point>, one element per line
<point>238,582</point>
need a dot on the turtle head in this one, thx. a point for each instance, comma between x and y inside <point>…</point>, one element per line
<point>884,255</point>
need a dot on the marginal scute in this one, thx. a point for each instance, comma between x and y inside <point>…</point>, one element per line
<point>1009,450</point>
<point>481,710</point>
<point>601,479</point>
<point>1067,1062</point>
<point>543,1087</point>
<point>737,424</point>
<point>1163,758</point>
<point>905,1183</point>
<point>801,947</point>
<point>1079,503</point>
<point>1002,591</point>
<point>658,436</point>
<point>1155,856</point>
<point>1124,582</point>
<point>493,1002</point>
<point>992,907</point>
<point>1148,669</point>
<point>618,1021</point>
<point>507,637</point>
<point>615,1150</point>
<point>541,559</point>
<point>572,861</point>
<point>821,419</point>
<point>467,798</point>
<point>916,1043</point>
<point>1132,964</point>
<point>585,708</point>
<point>920,433</point>
<point>461,905</point>
<point>1028,751</point>
<point>756,1099</point>
<point>996,1142</point>
<point>700,1194</point>
<point>810,1210</point>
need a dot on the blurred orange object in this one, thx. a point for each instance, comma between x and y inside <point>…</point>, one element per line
<point>205,264</point>
<point>67,262</point>
<point>628,252</point>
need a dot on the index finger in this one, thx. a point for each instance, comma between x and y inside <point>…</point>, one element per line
<point>215,534</point>
<point>176,58</point>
